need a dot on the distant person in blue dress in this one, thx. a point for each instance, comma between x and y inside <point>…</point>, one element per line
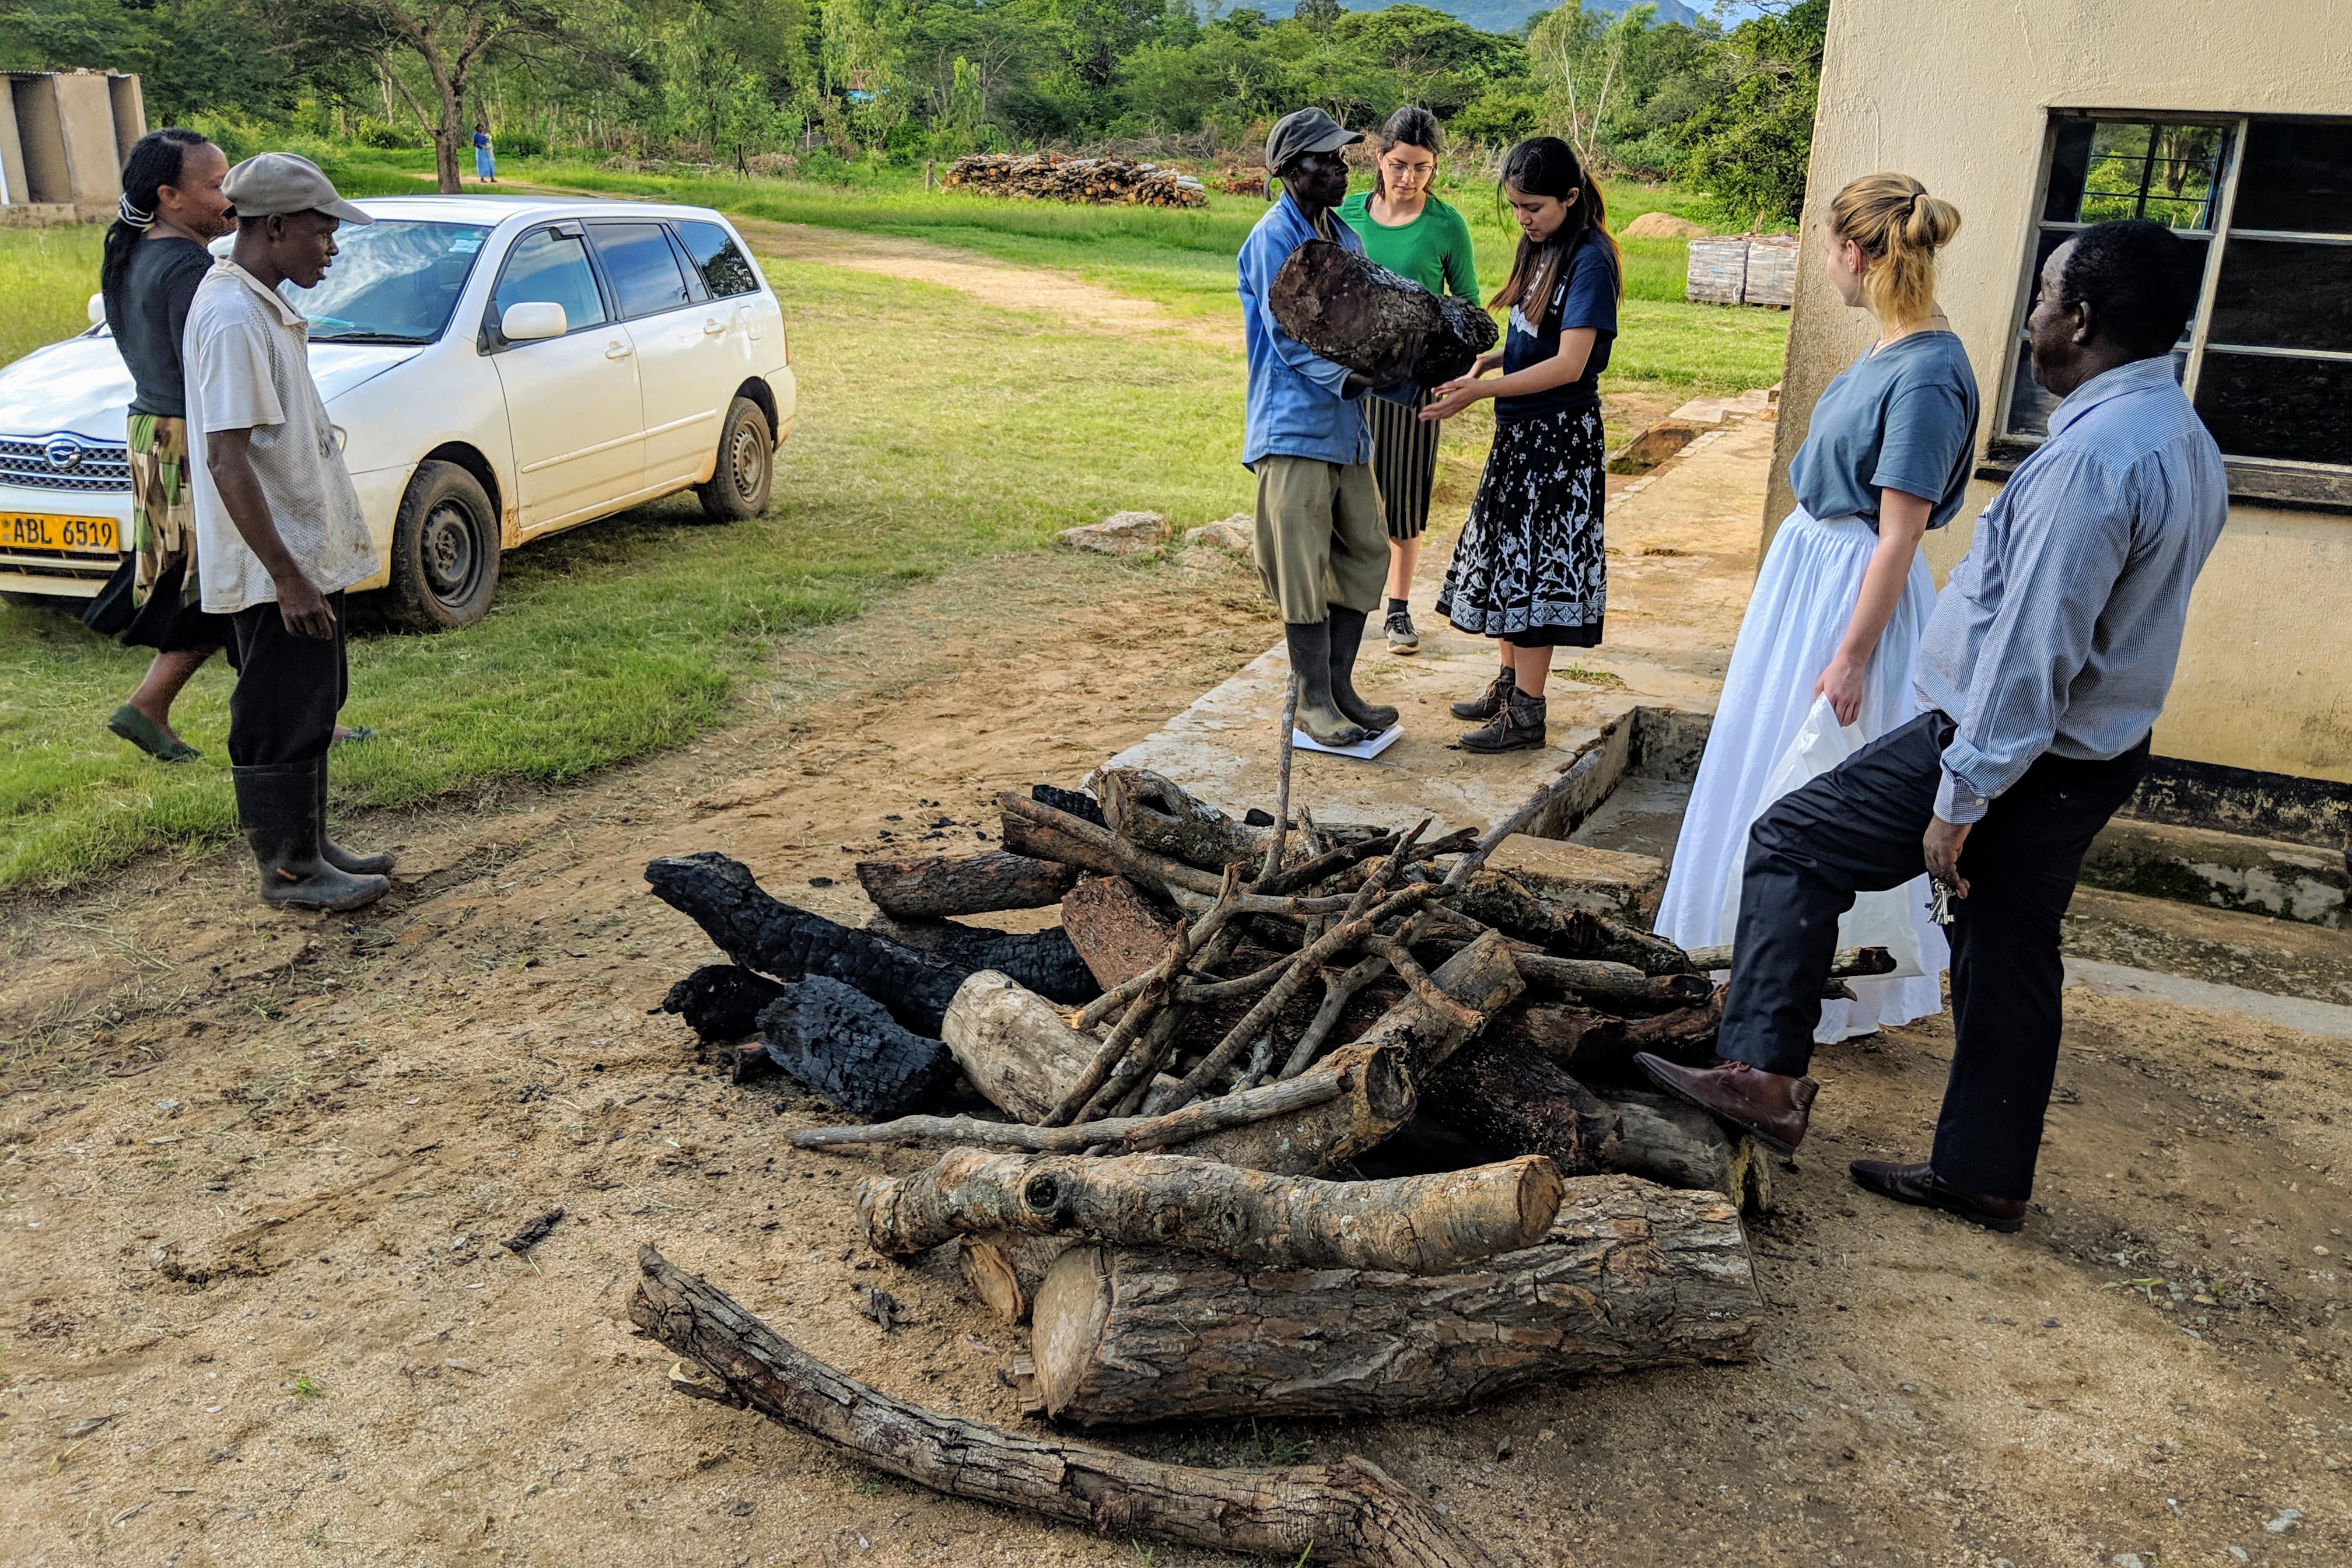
<point>1844,594</point>
<point>486,168</point>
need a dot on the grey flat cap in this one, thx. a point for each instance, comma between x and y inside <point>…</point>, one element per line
<point>1302,132</point>
<point>268,184</point>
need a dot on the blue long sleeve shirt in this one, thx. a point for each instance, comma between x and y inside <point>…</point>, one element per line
<point>2059,629</point>
<point>1295,408</point>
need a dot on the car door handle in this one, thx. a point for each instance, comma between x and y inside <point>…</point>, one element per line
<point>618,351</point>
<point>712,326</point>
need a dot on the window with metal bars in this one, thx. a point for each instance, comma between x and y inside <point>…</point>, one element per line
<point>2267,203</point>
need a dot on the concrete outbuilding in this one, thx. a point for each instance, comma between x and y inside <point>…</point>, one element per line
<point>63,138</point>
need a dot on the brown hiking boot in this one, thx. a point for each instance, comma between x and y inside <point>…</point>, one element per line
<point>1770,1105</point>
<point>1489,703</point>
<point>1919,1185</point>
<point>1520,727</point>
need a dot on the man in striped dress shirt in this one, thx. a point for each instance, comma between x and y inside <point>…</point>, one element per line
<point>2041,670</point>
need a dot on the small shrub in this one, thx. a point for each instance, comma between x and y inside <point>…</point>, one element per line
<point>374,132</point>
<point>519,145</point>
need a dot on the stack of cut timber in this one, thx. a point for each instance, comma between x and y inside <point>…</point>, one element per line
<point>1743,270</point>
<point>1050,176</point>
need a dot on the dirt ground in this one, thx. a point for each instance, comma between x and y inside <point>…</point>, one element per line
<point>254,1167</point>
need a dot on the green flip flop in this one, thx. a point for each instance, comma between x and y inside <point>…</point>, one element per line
<point>150,737</point>
<point>359,736</point>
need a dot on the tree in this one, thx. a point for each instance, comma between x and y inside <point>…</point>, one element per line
<point>1578,56</point>
<point>1749,144</point>
<point>1317,15</point>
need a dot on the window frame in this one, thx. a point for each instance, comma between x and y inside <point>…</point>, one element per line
<point>688,275</point>
<point>694,268</point>
<point>2271,481</point>
<point>494,339</point>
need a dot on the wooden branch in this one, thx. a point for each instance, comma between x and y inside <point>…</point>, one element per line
<point>1274,845</point>
<point>1399,957</point>
<point>1209,1116</point>
<point>1632,1274</point>
<point>1410,1224</point>
<point>1347,1512</point>
<point>941,886</point>
<point>1591,979</point>
<point>1847,963</point>
<point>1338,991</point>
<point>1586,758</point>
<point>1032,827</point>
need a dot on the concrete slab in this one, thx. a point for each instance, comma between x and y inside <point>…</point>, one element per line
<point>2226,870</point>
<point>2323,1018</point>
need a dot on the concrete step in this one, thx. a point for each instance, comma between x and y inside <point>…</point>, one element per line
<point>2223,870</point>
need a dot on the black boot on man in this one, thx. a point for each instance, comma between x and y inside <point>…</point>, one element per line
<point>1310,661</point>
<point>1518,727</point>
<point>353,862</point>
<point>1773,1106</point>
<point>279,807</point>
<point>1347,639</point>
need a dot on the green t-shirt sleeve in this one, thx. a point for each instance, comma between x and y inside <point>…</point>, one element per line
<point>1461,263</point>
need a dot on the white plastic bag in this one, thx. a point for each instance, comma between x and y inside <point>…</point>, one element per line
<point>1877,920</point>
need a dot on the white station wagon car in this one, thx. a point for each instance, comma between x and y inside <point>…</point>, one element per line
<point>497,368</point>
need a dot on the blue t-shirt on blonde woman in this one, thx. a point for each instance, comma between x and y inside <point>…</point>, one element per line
<point>1903,417</point>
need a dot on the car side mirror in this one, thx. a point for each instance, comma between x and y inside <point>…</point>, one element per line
<point>98,310</point>
<point>531,322</point>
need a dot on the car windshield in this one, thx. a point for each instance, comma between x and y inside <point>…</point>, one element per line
<point>394,282</point>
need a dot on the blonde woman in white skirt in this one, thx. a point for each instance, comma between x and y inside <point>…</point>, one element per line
<point>1845,591</point>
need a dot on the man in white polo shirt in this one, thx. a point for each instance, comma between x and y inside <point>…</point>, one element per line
<point>280,534</point>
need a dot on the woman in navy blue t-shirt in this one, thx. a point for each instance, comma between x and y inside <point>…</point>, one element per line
<point>1527,569</point>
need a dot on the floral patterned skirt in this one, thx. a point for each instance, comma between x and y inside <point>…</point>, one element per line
<point>1528,566</point>
<point>151,600</point>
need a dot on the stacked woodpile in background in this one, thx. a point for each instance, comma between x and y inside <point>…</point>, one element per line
<point>1743,270</point>
<point>1282,1119</point>
<point>1050,176</point>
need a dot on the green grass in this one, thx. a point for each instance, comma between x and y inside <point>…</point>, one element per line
<point>46,276</point>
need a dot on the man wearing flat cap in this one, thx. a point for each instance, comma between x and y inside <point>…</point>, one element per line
<point>280,534</point>
<point>1322,544</point>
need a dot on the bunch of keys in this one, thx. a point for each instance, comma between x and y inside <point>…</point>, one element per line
<point>1940,907</point>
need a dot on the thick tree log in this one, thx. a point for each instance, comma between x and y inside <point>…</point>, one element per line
<point>1631,1275</point>
<point>1847,963</point>
<point>941,886</point>
<point>1412,1224</point>
<point>1118,932</point>
<point>1004,1272</point>
<point>721,1002</point>
<point>1687,1034</point>
<point>1618,984</point>
<point>1355,313</point>
<point>1578,1040</point>
<point>1157,815</point>
<point>845,1047</point>
<point>1502,1093</point>
<point>1045,961</point>
<point>1566,930</point>
<point>1665,1140</point>
<point>760,932</point>
<point>1032,827</point>
<point>1017,1048</point>
<point>1346,1513</point>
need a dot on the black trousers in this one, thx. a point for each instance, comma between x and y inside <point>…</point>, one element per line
<point>1858,828</point>
<point>288,688</point>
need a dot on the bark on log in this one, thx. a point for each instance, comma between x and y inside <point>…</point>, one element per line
<point>1412,1224</point>
<point>1578,1040</point>
<point>1032,827</point>
<point>1619,984</point>
<point>1347,1512</point>
<point>1687,1034</point>
<point>1665,1140</point>
<point>1504,1094</point>
<point>1015,1047</point>
<point>1118,932</point>
<point>848,1049</point>
<point>1045,961</point>
<point>1004,1272</point>
<point>721,1002</point>
<point>1846,963</point>
<point>1355,313</point>
<point>941,886</point>
<point>1631,1275</point>
<point>758,931</point>
<point>1157,815</point>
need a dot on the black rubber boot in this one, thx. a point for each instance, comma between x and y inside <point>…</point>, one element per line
<point>1489,703</point>
<point>1310,660</point>
<point>278,806</point>
<point>1347,639</point>
<point>335,854</point>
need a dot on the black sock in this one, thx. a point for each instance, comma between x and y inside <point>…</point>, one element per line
<point>1397,606</point>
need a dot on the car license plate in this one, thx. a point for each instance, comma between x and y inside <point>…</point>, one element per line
<point>53,531</point>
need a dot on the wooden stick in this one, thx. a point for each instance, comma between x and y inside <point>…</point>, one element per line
<point>964,885</point>
<point>1586,758</point>
<point>1188,942</point>
<point>1338,991</point>
<point>1134,1131</point>
<point>1347,1512</point>
<point>1139,1067</point>
<point>1410,971</point>
<point>1273,867</point>
<point>1047,834</point>
<point>1847,963</point>
<point>1597,980</point>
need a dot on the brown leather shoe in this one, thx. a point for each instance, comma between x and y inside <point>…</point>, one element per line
<point>1919,1185</point>
<point>1770,1105</point>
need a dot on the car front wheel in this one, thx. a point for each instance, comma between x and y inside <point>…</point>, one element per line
<point>738,487</point>
<point>445,551</point>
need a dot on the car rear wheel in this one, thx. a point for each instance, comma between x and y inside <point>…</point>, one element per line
<point>738,484</point>
<point>445,551</point>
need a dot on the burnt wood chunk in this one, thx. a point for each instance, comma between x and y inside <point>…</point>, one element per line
<point>1043,961</point>
<point>1578,1040</point>
<point>940,886</point>
<point>1076,802</point>
<point>721,1002</point>
<point>848,1050</point>
<point>1384,327</point>
<point>1501,1092</point>
<point>1118,932</point>
<point>1144,808</point>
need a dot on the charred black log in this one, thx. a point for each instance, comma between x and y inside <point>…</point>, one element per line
<point>1564,929</point>
<point>760,933</point>
<point>845,1047</point>
<point>1503,1094</point>
<point>1076,802</point>
<point>721,1002</point>
<point>1385,328</point>
<point>937,885</point>
<point>1043,961</point>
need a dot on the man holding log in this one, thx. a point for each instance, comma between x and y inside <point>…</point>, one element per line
<point>1321,544</point>
<point>2041,670</point>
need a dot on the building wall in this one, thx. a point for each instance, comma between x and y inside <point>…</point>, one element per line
<point>1957,93</point>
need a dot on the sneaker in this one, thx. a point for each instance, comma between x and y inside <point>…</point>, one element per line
<point>1402,638</point>
<point>1489,703</point>
<point>1520,727</point>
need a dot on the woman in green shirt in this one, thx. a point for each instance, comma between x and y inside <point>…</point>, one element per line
<point>1410,232</point>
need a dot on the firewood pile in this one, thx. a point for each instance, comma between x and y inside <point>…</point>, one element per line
<point>1284,1117</point>
<point>1052,177</point>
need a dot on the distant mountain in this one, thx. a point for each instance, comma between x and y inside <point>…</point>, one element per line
<point>1488,15</point>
